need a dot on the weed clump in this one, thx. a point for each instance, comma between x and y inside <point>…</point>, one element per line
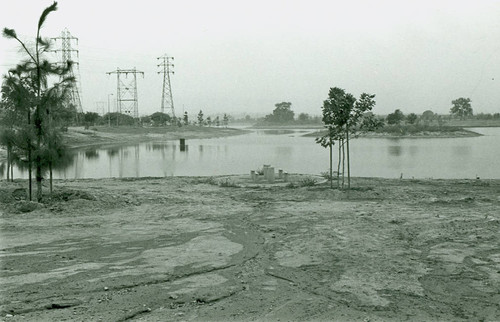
<point>308,182</point>
<point>227,183</point>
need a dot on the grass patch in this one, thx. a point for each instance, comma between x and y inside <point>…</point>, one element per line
<point>210,180</point>
<point>307,182</point>
<point>228,183</point>
<point>409,129</point>
<point>225,183</point>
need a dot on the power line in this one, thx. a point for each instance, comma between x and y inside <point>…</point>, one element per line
<point>167,102</point>
<point>66,50</point>
<point>126,91</point>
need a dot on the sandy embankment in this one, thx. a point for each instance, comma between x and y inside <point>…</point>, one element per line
<point>78,137</point>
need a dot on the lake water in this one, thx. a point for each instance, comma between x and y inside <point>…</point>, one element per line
<point>290,151</point>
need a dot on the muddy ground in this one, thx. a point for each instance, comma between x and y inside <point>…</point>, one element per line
<point>217,249</point>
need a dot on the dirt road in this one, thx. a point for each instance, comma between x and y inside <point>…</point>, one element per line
<point>217,249</point>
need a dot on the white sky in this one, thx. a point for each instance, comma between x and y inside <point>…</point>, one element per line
<point>244,56</point>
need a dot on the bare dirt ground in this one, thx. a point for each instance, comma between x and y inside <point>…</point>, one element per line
<point>217,249</point>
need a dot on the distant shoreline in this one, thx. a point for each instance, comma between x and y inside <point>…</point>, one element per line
<point>78,137</point>
<point>418,135</point>
<point>286,127</point>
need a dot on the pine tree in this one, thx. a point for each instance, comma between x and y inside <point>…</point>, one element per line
<point>36,70</point>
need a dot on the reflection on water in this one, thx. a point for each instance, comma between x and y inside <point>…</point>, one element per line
<point>19,169</point>
<point>285,151</point>
<point>461,150</point>
<point>91,154</point>
<point>112,151</point>
<point>419,158</point>
<point>395,150</point>
<point>276,132</point>
<point>413,150</point>
<point>156,146</point>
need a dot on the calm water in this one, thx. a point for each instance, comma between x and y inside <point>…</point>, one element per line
<point>288,150</point>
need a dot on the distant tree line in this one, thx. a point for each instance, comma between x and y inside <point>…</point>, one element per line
<point>284,115</point>
<point>156,119</point>
<point>461,110</point>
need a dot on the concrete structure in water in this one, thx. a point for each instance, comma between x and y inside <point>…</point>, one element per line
<point>270,174</point>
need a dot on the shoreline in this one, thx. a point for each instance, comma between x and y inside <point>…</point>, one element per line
<point>79,138</point>
<point>243,180</point>
<point>419,135</point>
<point>287,127</point>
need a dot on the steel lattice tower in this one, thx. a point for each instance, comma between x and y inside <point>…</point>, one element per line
<point>66,50</point>
<point>126,91</point>
<point>167,102</point>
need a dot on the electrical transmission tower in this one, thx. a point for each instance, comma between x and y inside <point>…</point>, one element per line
<point>66,50</point>
<point>126,91</point>
<point>167,101</point>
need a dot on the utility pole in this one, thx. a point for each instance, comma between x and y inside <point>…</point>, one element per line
<point>126,91</point>
<point>109,116</point>
<point>66,50</point>
<point>167,102</point>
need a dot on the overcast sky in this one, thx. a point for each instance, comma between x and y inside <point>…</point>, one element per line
<point>242,57</point>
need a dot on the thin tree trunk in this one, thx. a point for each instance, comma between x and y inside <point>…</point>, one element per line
<point>38,180</point>
<point>38,159</point>
<point>50,171</point>
<point>343,164</point>
<point>331,164</point>
<point>8,164</point>
<point>338,164</point>
<point>51,138</point>
<point>30,161</point>
<point>348,160</point>
<point>30,170</point>
<point>38,120</point>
